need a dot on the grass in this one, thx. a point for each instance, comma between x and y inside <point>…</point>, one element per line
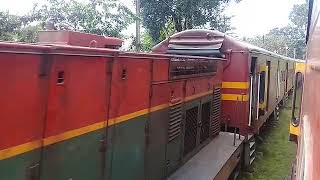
<point>275,153</point>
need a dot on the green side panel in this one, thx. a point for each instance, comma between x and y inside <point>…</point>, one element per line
<point>126,150</point>
<point>156,149</point>
<point>21,167</point>
<point>173,154</point>
<point>79,158</point>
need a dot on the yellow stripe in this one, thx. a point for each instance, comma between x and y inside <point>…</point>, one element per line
<point>235,85</point>
<point>73,133</point>
<point>23,148</point>
<point>198,95</point>
<point>234,97</point>
<point>16,150</point>
<point>157,108</point>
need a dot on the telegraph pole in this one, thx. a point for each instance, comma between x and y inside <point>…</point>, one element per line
<point>138,25</point>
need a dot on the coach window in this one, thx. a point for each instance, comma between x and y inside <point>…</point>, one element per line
<point>297,98</point>
<point>262,86</point>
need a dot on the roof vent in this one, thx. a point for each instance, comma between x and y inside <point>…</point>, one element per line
<point>196,42</point>
<point>73,38</point>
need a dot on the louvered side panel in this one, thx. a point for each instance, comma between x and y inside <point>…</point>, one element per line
<point>190,136</point>
<point>175,119</point>
<point>216,113</point>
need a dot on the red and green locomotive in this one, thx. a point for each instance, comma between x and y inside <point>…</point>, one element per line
<point>74,107</point>
<point>74,112</point>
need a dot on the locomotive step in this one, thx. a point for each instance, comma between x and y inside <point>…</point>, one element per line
<point>251,160</point>
<point>252,144</point>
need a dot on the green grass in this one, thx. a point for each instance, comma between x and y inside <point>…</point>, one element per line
<point>275,153</point>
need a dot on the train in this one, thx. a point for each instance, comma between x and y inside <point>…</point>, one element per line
<point>306,114</point>
<point>255,81</point>
<point>74,106</point>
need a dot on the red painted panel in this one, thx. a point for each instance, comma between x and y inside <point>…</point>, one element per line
<point>236,115</point>
<point>199,85</point>
<point>22,99</point>
<point>82,99</point>
<point>167,93</point>
<point>160,70</point>
<point>237,70</point>
<point>131,80</point>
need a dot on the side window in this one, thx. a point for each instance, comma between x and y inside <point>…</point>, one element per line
<point>297,98</point>
<point>262,86</point>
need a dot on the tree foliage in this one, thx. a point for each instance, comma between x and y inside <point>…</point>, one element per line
<point>288,40</point>
<point>9,26</point>
<point>103,17</point>
<point>163,17</point>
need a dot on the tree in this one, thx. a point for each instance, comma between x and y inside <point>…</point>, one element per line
<point>299,16</point>
<point>29,33</point>
<point>162,16</point>
<point>9,26</point>
<point>288,40</point>
<point>103,17</point>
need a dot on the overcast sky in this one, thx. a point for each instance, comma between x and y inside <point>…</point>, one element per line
<point>251,17</point>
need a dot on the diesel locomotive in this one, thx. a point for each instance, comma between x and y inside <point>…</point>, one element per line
<point>74,107</point>
<point>75,112</point>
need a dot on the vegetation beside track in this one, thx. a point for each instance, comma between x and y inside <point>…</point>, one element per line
<point>275,153</point>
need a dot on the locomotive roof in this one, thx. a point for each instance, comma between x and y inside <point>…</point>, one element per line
<point>16,47</point>
<point>208,42</point>
<point>255,49</point>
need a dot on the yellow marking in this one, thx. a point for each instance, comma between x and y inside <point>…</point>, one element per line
<point>263,105</point>
<point>23,148</point>
<point>235,85</point>
<point>300,67</point>
<point>159,107</point>
<point>16,150</point>
<point>264,68</point>
<point>198,95</point>
<point>234,97</point>
<point>73,133</point>
<point>294,130</point>
<point>129,116</point>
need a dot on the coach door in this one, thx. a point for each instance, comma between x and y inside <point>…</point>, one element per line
<point>263,88</point>
<point>254,84</point>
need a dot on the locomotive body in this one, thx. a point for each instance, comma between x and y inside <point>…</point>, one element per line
<point>72,112</point>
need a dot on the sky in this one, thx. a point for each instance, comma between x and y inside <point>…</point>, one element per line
<point>250,17</point>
